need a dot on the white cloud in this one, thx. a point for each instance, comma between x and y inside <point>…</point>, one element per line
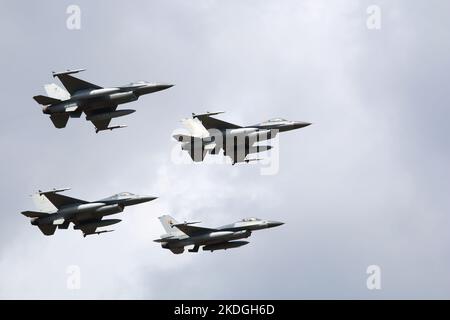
<point>365,184</point>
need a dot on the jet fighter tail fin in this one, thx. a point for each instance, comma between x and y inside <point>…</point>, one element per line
<point>56,92</point>
<point>168,224</point>
<point>196,128</point>
<point>42,203</point>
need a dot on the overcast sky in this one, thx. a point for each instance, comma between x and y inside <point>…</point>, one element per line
<point>366,184</point>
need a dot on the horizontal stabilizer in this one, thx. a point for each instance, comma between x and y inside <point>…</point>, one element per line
<point>60,120</point>
<point>34,214</point>
<point>44,100</point>
<point>47,229</point>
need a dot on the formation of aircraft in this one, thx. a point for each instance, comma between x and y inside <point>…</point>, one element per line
<point>99,104</point>
<point>58,211</point>
<point>206,135</point>
<point>211,135</point>
<point>180,235</point>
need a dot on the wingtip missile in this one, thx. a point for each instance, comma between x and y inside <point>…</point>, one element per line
<point>185,223</point>
<point>252,160</point>
<point>207,114</point>
<point>111,128</point>
<point>60,73</point>
<point>97,233</point>
<point>54,190</point>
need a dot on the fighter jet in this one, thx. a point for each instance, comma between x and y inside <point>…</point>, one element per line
<point>58,211</point>
<point>184,234</point>
<point>98,103</point>
<point>210,135</point>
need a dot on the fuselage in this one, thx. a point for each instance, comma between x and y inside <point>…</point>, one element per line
<point>220,237</point>
<point>262,131</point>
<point>209,238</point>
<point>100,98</point>
<point>77,212</point>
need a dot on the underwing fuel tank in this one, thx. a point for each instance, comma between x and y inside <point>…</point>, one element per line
<point>224,246</point>
<point>108,210</point>
<point>217,237</point>
<point>88,207</point>
<point>109,115</point>
<point>89,94</point>
<point>98,224</point>
<point>214,235</point>
<point>123,97</point>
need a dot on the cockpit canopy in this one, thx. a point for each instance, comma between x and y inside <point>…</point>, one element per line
<point>120,196</point>
<point>249,219</point>
<point>135,84</point>
<point>125,194</point>
<point>277,120</point>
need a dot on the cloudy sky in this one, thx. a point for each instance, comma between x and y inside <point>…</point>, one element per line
<point>366,184</point>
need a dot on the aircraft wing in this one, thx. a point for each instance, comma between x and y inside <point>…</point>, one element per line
<point>101,124</point>
<point>213,123</point>
<point>73,84</point>
<point>59,200</point>
<point>193,230</point>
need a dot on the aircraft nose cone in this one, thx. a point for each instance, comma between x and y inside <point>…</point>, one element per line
<point>300,124</point>
<point>272,224</point>
<point>160,87</point>
<point>151,87</point>
<point>142,199</point>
